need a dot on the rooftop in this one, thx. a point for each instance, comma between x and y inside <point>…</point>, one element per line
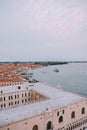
<point>14,88</point>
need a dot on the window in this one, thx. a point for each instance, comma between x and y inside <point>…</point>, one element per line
<point>25,123</point>
<point>29,99</point>
<point>25,100</point>
<point>63,111</point>
<point>60,119</point>
<point>18,96</point>
<point>4,98</point>
<point>4,105</point>
<point>1,105</point>
<point>58,113</point>
<point>35,127</point>
<point>19,87</point>
<point>29,94</point>
<point>77,124</point>
<point>49,125</point>
<point>2,91</point>
<point>73,126</point>
<point>25,94</point>
<point>11,97</point>
<point>83,111</point>
<point>9,103</point>
<point>84,128</point>
<point>69,128</point>
<point>72,115</point>
<point>0,99</point>
<point>15,96</point>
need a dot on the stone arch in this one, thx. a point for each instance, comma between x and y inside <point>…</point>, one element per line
<point>73,114</point>
<point>83,111</point>
<point>60,119</point>
<point>35,127</point>
<point>49,125</point>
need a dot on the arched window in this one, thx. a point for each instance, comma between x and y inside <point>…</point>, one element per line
<point>49,125</point>
<point>60,119</point>
<point>35,127</point>
<point>73,126</point>
<point>84,128</point>
<point>58,113</point>
<point>8,129</point>
<point>83,111</point>
<point>73,114</point>
<point>69,128</point>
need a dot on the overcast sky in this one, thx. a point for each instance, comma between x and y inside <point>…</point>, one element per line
<point>43,30</point>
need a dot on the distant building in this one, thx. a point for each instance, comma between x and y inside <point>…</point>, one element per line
<point>41,107</point>
<point>10,73</point>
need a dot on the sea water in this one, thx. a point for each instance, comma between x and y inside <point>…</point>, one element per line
<point>71,77</point>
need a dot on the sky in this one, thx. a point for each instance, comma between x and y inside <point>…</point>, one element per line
<point>39,30</point>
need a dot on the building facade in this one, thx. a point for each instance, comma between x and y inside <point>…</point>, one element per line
<point>41,107</point>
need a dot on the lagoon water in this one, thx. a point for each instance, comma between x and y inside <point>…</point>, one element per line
<point>71,77</point>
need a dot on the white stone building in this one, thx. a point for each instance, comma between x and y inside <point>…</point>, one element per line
<point>41,107</point>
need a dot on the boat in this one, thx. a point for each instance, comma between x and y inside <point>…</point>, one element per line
<point>56,70</point>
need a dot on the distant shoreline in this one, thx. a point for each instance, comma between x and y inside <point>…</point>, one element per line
<point>43,63</point>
